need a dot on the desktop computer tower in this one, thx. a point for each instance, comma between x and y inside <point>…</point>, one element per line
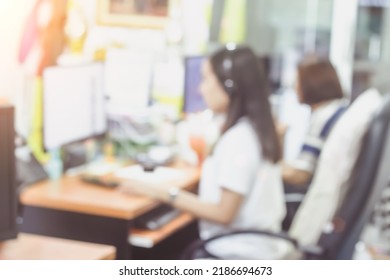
<point>8,198</point>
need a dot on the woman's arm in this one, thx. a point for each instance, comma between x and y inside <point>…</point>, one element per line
<point>294,176</point>
<point>223,212</point>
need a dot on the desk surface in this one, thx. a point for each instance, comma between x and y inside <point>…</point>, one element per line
<point>150,238</point>
<point>36,247</point>
<point>71,194</point>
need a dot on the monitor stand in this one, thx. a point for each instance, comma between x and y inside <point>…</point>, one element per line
<point>74,155</point>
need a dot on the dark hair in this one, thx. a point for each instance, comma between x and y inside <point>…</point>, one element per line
<point>318,80</point>
<point>243,78</point>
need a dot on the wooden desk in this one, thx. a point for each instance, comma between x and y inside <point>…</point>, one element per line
<point>75,210</point>
<point>148,239</point>
<point>35,247</point>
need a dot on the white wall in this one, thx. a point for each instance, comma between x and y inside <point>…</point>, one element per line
<point>343,40</point>
<point>276,22</point>
<point>289,16</point>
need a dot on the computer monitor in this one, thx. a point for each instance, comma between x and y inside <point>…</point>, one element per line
<point>128,77</point>
<point>7,174</point>
<point>73,104</point>
<point>193,100</point>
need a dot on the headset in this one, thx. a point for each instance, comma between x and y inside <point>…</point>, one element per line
<point>227,66</point>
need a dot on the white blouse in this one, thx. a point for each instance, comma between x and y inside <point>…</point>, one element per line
<point>236,164</point>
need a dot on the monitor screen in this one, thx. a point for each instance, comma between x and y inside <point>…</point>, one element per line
<point>128,77</point>
<point>7,174</point>
<point>74,104</point>
<point>193,100</point>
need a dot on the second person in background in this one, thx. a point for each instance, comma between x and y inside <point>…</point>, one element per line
<point>318,86</point>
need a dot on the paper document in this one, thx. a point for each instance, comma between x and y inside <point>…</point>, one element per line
<point>159,175</point>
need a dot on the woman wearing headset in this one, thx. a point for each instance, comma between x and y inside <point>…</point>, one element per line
<point>240,185</point>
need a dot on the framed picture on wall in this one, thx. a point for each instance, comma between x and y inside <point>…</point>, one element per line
<point>133,13</point>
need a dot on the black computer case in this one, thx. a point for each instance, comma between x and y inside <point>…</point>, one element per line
<point>8,197</point>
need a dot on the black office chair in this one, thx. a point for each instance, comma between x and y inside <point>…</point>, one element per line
<point>367,181</point>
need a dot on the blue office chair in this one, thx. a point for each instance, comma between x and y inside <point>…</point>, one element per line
<point>368,179</point>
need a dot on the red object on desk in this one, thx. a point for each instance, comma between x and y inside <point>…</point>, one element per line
<point>198,144</point>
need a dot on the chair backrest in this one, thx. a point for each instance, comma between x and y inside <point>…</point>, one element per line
<point>335,166</point>
<point>369,177</point>
<point>352,171</point>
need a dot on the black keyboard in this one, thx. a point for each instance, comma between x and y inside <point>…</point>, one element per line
<point>157,218</point>
<point>28,169</point>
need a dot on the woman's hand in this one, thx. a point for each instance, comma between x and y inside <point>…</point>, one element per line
<point>281,130</point>
<point>128,189</point>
